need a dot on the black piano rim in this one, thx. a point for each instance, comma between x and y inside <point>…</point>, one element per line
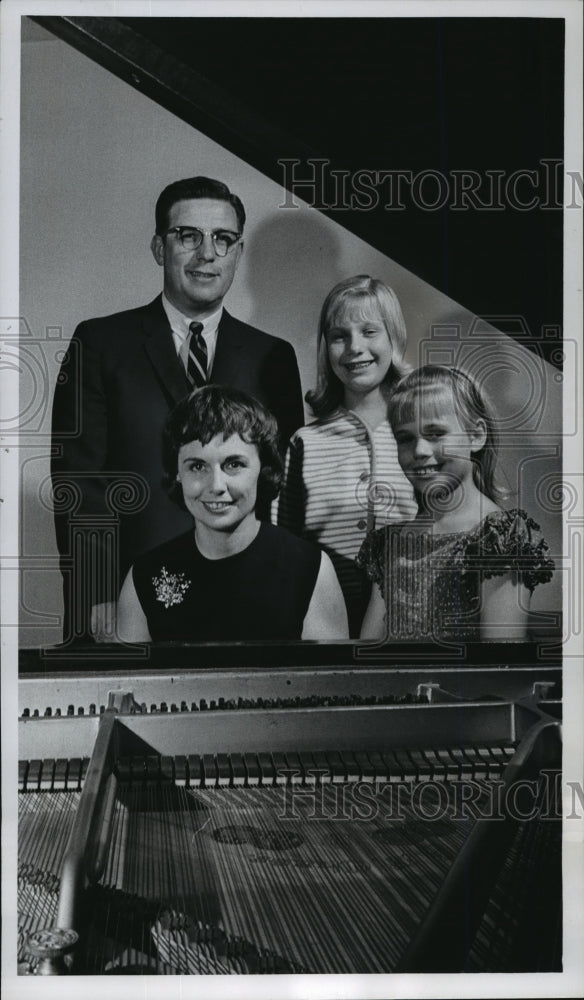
<point>83,657</point>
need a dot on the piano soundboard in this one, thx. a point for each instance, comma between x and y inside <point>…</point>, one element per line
<point>333,820</point>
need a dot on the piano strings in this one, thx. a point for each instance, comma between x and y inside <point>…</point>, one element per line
<point>205,873</point>
<point>44,824</point>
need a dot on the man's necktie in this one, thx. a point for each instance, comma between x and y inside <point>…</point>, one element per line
<point>197,357</point>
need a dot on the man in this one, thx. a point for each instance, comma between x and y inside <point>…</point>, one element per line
<point>123,374</point>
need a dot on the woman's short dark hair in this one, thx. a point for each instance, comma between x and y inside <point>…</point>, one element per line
<point>219,409</point>
<point>195,187</point>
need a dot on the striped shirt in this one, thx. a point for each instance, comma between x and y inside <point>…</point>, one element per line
<point>341,480</point>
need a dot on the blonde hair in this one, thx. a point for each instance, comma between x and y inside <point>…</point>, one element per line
<point>431,382</point>
<point>328,394</point>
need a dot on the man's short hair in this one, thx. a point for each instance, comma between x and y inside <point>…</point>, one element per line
<point>221,409</point>
<point>195,187</point>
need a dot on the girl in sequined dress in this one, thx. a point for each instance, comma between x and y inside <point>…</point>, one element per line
<point>464,568</point>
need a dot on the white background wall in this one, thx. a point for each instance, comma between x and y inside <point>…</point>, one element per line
<point>95,154</point>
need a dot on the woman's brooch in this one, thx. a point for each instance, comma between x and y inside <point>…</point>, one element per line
<point>170,587</point>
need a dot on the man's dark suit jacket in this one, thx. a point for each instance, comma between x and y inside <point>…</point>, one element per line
<point>118,382</point>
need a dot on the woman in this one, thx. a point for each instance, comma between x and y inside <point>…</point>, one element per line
<point>233,577</point>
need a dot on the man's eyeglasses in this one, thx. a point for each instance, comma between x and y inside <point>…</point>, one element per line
<point>190,239</point>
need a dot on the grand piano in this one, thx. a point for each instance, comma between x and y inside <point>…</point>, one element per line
<point>291,809</point>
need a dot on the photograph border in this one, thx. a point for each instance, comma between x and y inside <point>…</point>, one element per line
<point>571,981</point>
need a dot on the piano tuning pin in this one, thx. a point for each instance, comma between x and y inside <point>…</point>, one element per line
<point>70,709</point>
<point>163,706</point>
<point>174,707</point>
<point>81,710</point>
<point>184,707</point>
<point>92,708</point>
<point>58,713</point>
<point>153,708</point>
<point>35,714</point>
<point>26,713</point>
<point>194,707</point>
<point>48,712</point>
<point>203,705</point>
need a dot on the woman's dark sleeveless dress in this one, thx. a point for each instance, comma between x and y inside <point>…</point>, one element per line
<point>260,593</point>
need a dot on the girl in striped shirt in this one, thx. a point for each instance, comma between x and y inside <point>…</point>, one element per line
<point>342,475</point>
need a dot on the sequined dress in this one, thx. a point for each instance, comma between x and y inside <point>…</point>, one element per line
<point>431,582</point>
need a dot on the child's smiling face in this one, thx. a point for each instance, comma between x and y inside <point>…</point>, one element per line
<point>359,349</point>
<point>435,448</point>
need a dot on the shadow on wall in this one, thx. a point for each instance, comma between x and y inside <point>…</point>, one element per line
<point>292,261</point>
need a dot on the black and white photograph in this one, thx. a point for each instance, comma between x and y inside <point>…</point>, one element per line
<point>292,499</point>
